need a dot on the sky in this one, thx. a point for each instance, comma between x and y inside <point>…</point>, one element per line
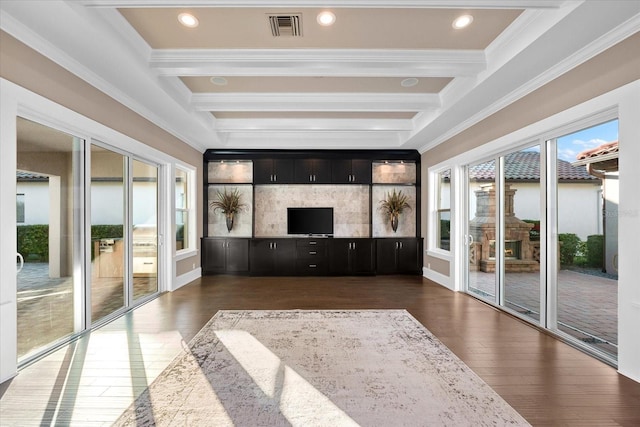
<point>570,145</point>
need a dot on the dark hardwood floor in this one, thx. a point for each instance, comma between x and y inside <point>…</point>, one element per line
<point>91,381</point>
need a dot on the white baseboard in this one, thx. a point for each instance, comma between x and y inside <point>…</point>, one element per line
<point>439,278</point>
<point>186,278</point>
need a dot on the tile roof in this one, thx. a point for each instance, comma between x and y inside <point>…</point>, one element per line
<point>599,151</point>
<point>525,166</point>
<point>30,176</point>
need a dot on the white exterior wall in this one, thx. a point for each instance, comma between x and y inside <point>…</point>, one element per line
<point>36,202</point>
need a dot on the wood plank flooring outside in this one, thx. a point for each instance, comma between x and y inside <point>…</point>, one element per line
<point>91,381</point>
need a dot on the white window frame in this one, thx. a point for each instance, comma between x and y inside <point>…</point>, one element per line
<point>190,238</point>
<point>433,224</point>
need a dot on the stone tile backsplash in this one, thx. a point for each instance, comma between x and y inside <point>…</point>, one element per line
<point>350,205</point>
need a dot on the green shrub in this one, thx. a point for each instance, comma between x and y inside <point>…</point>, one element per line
<point>569,246</point>
<point>33,242</point>
<point>595,250</point>
<point>106,231</point>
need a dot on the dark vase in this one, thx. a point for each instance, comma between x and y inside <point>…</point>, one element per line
<point>394,222</point>
<point>229,221</point>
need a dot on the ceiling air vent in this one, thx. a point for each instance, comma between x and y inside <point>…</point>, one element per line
<point>286,25</point>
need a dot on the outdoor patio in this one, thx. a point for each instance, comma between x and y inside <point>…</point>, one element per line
<point>587,303</point>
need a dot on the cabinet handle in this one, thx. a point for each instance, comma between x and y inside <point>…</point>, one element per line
<point>401,245</point>
<point>397,245</point>
<point>275,245</point>
<point>275,177</point>
<point>313,243</point>
<point>312,265</point>
<point>313,253</point>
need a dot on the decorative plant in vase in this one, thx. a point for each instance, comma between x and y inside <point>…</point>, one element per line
<point>228,203</point>
<point>393,205</point>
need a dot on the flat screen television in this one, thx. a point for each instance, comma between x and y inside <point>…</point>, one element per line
<point>310,221</point>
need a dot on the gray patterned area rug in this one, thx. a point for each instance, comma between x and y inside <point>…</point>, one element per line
<point>318,368</point>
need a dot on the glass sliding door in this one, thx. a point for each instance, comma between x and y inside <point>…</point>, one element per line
<point>481,230</point>
<point>50,283</point>
<point>586,294</point>
<point>144,214</point>
<point>521,232</point>
<point>108,225</point>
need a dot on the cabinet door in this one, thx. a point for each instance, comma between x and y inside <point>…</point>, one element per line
<point>262,256</point>
<point>262,171</point>
<point>362,256</point>
<point>360,171</point>
<point>213,255</point>
<point>237,256</point>
<point>339,256</point>
<point>283,171</point>
<point>322,171</point>
<point>285,257</point>
<point>408,256</point>
<point>303,171</point>
<point>341,171</point>
<point>386,256</point>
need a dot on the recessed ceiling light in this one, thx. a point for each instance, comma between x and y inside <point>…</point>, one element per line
<point>188,20</point>
<point>219,81</point>
<point>409,82</point>
<point>462,21</point>
<point>326,18</point>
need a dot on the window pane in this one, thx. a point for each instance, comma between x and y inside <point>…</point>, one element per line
<point>521,240</point>
<point>47,174</point>
<point>107,232</point>
<point>145,229</point>
<point>482,230</point>
<point>182,209</point>
<point>443,226</point>
<point>587,290</point>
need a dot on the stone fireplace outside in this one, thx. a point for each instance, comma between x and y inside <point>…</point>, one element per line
<point>521,254</point>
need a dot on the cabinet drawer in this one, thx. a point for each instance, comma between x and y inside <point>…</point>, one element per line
<point>312,244</point>
<point>311,267</point>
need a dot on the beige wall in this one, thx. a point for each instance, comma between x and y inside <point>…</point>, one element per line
<point>27,68</point>
<point>609,70</point>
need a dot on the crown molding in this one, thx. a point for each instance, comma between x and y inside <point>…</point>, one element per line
<point>600,44</point>
<point>112,81</point>
<point>446,4</point>
<point>358,102</point>
<point>310,62</point>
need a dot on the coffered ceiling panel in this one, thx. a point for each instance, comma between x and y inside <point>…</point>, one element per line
<point>261,73</point>
<point>361,28</point>
<point>314,84</point>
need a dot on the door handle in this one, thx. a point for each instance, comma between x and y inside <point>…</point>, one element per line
<point>21,258</point>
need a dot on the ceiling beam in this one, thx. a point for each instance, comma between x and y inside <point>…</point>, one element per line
<point>318,62</point>
<point>354,102</point>
<point>313,125</point>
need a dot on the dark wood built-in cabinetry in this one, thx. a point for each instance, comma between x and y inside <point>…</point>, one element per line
<point>221,255</point>
<point>311,257</point>
<point>273,257</point>
<point>351,171</point>
<point>352,256</point>
<point>258,172</point>
<point>398,256</point>
<point>313,171</point>
<point>273,171</point>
